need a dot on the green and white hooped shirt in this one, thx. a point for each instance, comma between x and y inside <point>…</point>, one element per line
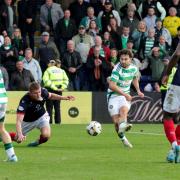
<point>3,94</point>
<point>123,77</point>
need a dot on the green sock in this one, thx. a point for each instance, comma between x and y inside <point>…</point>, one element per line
<point>121,135</point>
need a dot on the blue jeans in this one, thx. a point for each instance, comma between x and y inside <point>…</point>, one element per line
<point>74,83</point>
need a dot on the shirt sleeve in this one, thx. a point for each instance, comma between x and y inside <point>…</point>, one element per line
<point>114,76</point>
<point>22,106</point>
<point>45,94</point>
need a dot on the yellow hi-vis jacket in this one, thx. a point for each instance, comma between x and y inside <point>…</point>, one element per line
<point>55,78</point>
<point>165,87</point>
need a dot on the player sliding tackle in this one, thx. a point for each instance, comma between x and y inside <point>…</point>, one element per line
<point>32,114</point>
<point>119,98</point>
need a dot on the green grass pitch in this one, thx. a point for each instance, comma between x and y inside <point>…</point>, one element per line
<point>73,154</point>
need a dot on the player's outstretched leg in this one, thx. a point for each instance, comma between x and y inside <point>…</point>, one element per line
<point>45,135</point>
<point>177,131</point>
<point>124,126</point>
<point>177,154</point>
<point>11,157</point>
<point>125,140</point>
<point>171,156</point>
<point>36,143</point>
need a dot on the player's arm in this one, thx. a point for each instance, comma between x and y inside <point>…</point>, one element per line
<point>113,86</point>
<point>19,119</point>
<point>53,96</point>
<point>174,59</point>
<point>136,85</point>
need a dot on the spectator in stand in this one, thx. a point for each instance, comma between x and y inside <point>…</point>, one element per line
<point>50,14</point>
<point>159,9</point>
<point>175,4</point>
<point>9,56</point>
<point>98,69</point>
<point>78,10</point>
<point>176,40</point>
<point>115,32</point>
<point>130,20</point>
<point>5,77</point>
<point>17,41</point>
<point>47,50</point>
<point>104,51</point>
<point>125,36</point>
<point>130,46</point>
<point>150,18</point>
<point>108,13</point>
<point>21,78</point>
<point>139,34</point>
<point>55,81</point>
<point>113,58</point>
<point>90,16</point>
<point>26,22</point>
<point>156,63</point>
<point>32,65</point>
<point>72,63</point>
<point>107,42</point>
<point>8,16</point>
<point>93,29</point>
<point>131,7</point>
<point>65,30</point>
<point>160,30</point>
<point>172,22</point>
<point>165,49</point>
<point>83,42</point>
<point>146,45</point>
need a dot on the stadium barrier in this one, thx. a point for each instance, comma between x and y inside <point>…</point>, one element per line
<point>93,106</point>
<point>72,112</point>
<point>146,110</point>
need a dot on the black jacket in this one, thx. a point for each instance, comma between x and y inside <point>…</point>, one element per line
<point>20,80</point>
<point>78,11</point>
<point>9,62</point>
<point>71,60</point>
<point>64,32</point>
<point>26,9</point>
<point>4,16</point>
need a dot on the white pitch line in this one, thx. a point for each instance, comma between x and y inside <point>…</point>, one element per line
<point>143,133</point>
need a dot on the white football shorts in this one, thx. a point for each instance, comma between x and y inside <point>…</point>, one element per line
<point>172,99</point>
<point>115,103</point>
<point>43,121</point>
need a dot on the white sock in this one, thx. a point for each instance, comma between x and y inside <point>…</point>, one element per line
<point>10,152</point>
<point>174,144</point>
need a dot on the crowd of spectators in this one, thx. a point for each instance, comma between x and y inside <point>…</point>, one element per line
<point>86,37</point>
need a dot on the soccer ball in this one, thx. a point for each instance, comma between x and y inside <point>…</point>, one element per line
<point>94,128</point>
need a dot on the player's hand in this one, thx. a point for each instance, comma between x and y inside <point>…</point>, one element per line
<point>21,138</point>
<point>128,97</point>
<point>140,94</point>
<point>165,79</point>
<point>70,98</point>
